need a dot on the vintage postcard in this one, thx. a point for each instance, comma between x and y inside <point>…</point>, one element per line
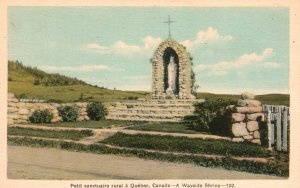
<point>196,94</point>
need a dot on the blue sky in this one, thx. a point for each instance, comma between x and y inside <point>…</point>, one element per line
<point>233,49</point>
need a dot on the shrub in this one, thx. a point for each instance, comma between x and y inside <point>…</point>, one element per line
<point>131,98</point>
<point>213,116</point>
<point>21,96</point>
<point>96,111</point>
<point>41,116</point>
<point>68,113</point>
<point>36,82</point>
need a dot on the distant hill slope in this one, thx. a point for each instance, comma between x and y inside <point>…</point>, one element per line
<point>18,72</point>
<point>28,82</point>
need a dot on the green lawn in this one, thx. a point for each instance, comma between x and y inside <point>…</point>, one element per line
<point>164,127</point>
<point>60,134</point>
<point>89,124</point>
<point>188,145</point>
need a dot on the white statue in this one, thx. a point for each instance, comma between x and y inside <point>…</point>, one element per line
<point>172,71</point>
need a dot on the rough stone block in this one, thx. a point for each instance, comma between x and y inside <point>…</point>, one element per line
<point>238,140</point>
<point>256,141</point>
<point>247,95</point>
<point>255,117</point>
<point>12,104</point>
<point>250,103</point>
<point>23,111</point>
<point>252,125</point>
<point>11,110</point>
<point>24,117</point>
<point>10,121</point>
<point>239,129</point>
<point>249,109</point>
<point>256,134</point>
<point>20,104</point>
<point>12,116</point>
<point>29,105</point>
<point>248,137</point>
<point>241,103</point>
<point>237,117</point>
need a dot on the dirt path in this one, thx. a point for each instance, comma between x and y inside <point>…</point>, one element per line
<point>43,163</point>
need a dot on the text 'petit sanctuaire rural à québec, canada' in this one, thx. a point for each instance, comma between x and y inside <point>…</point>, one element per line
<point>153,185</point>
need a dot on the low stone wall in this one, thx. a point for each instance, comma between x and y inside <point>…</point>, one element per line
<point>246,119</point>
<point>19,112</point>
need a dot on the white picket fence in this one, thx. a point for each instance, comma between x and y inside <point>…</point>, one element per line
<point>277,118</point>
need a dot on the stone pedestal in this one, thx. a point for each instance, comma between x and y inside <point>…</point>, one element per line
<point>246,117</point>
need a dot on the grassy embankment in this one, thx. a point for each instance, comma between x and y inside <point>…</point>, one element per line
<point>169,127</point>
<point>59,134</point>
<point>186,145</point>
<point>90,124</point>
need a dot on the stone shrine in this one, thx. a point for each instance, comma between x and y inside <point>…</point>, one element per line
<point>171,71</point>
<point>172,98</point>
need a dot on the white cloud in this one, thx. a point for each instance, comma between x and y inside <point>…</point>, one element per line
<point>122,48</point>
<point>202,37</point>
<point>149,43</point>
<point>96,46</point>
<point>81,68</point>
<point>271,65</point>
<point>222,67</point>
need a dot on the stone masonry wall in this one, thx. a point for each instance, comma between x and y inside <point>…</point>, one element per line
<point>19,112</point>
<point>246,120</point>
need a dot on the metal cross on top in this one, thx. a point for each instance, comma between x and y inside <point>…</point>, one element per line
<point>169,23</point>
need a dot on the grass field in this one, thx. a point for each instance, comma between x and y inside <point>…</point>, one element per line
<point>188,145</point>
<point>169,127</point>
<point>71,93</point>
<point>90,124</point>
<point>60,134</point>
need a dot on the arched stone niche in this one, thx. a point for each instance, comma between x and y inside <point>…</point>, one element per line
<point>160,61</point>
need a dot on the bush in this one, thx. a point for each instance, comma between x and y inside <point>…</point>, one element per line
<point>131,98</point>
<point>96,111</point>
<point>68,113</point>
<point>36,82</point>
<point>41,116</point>
<point>213,116</point>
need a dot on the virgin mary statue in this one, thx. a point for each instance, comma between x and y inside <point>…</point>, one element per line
<point>172,71</point>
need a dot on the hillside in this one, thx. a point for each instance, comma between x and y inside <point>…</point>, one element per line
<point>28,82</point>
<point>20,73</point>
